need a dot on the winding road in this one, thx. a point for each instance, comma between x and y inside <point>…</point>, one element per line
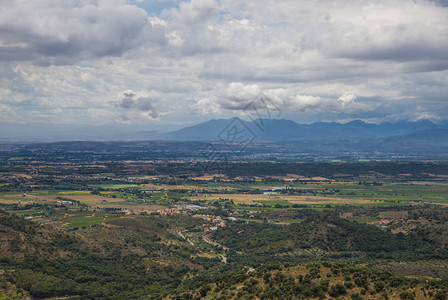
<point>206,238</point>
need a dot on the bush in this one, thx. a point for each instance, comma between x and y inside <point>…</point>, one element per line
<point>337,290</point>
<point>379,286</point>
<point>349,284</point>
<point>440,295</point>
<point>407,296</point>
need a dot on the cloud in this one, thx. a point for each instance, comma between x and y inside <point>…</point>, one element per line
<point>239,97</point>
<point>195,12</point>
<point>427,116</point>
<point>203,58</point>
<point>347,99</point>
<point>440,2</point>
<point>66,32</point>
<point>131,101</point>
<point>194,27</point>
<point>205,106</point>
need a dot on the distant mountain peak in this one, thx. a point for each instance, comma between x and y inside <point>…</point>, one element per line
<point>356,122</point>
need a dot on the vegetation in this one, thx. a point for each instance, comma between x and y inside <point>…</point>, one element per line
<point>313,281</point>
<point>105,224</point>
<point>332,235</point>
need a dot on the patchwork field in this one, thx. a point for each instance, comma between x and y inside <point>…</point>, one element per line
<point>126,234</point>
<point>81,196</point>
<point>280,199</point>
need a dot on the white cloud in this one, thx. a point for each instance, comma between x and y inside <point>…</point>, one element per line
<point>427,116</point>
<point>237,96</point>
<point>205,106</point>
<point>347,99</point>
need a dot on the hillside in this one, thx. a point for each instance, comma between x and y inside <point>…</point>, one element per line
<point>314,281</point>
<point>327,235</point>
<point>145,257</point>
<point>121,259</point>
<point>20,238</point>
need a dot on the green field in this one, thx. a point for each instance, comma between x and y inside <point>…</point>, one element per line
<point>114,186</point>
<point>87,219</point>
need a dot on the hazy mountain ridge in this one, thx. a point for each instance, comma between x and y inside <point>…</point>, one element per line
<point>263,136</point>
<point>262,129</point>
<point>287,130</point>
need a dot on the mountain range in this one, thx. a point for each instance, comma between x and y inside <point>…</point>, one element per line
<point>287,130</point>
<point>420,137</point>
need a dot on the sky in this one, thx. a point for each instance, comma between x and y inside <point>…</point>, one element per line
<point>161,63</point>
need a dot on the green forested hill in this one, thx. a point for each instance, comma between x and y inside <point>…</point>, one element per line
<point>313,281</point>
<point>128,258</point>
<point>331,235</point>
<point>143,257</point>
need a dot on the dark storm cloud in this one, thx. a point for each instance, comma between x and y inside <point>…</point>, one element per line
<point>443,3</point>
<point>65,32</point>
<point>411,52</point>
<point>145,104</point>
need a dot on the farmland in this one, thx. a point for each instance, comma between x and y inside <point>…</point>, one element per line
<point>171,218</point>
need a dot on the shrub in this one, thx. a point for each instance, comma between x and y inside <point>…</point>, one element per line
<point>337,290</point>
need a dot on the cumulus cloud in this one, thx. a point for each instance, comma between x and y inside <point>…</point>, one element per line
<point>66,32</point>
<point>132,101</point>
<point>237,96</point>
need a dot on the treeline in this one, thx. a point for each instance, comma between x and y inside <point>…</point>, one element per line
<point>235,169</point>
